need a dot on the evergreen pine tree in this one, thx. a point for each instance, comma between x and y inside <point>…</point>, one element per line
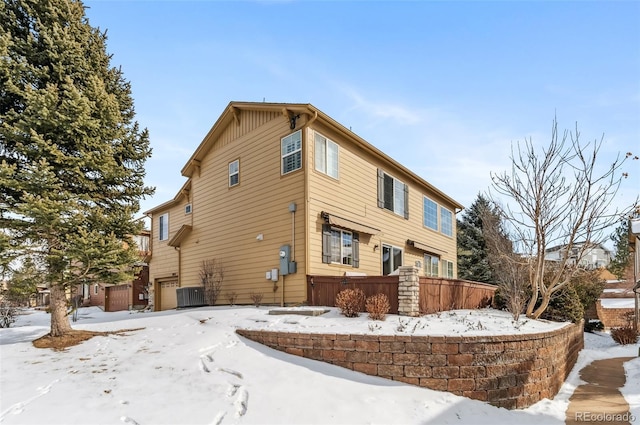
<point>622,257</point>
<point>473,257</point>
<point>71,154</point>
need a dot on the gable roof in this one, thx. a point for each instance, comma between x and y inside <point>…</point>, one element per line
<point>288,110</point>
<point>182,193</point>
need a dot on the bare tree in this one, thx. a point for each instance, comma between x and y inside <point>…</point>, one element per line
<point>211,277</point>
<point>561,197</point>
<point>509,268</point>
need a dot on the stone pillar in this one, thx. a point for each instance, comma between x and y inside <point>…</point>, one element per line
<point>409,291</point>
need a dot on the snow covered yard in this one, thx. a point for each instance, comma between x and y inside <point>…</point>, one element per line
<point>190,367</point>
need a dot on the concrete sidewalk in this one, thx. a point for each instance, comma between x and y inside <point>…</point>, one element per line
<point>599,402</point>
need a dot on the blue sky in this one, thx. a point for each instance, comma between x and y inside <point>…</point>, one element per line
<point>442,87</point>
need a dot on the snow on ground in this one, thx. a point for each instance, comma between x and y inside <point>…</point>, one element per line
<point>617,302</point>
<point>189,367</point>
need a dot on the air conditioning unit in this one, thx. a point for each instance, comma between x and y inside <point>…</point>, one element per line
<point>190,296</point>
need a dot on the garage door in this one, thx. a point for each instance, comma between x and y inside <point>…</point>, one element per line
<point>168,298</point>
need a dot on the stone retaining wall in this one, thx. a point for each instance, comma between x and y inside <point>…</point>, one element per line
<point>511,371</point>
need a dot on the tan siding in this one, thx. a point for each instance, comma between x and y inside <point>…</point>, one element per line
<point>164,259</point>
<point>228,220</point>
<point>354,197</point>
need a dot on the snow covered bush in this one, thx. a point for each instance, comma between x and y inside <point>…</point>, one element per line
<point>350,302</point>
<point>624,335</point>
<point>377,306</point>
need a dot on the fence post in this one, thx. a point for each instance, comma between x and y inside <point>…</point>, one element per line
<point>408,291</point>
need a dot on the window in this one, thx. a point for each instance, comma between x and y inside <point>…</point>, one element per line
<point>446,218</point>
<point>431,265</point>
<point>393,195</point>
<point>291,150</point>
<point>340,246</point>
<point>163,227</point>
<point>391,259</point>
<point>430,214</point>
<point>448,268</point>
<point>187,209</point>
<point>234,173</point>
<point>326,156</point>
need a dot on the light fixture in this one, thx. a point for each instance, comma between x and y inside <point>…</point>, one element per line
<point>260,237</point>
<point>375,247</point>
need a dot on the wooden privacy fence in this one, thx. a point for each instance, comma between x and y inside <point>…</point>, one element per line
<point>441,294</point>
<point>322,290</point>
<point>435,294</point>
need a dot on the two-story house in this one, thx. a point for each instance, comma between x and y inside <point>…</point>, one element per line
<point>279,192</point>
<point>584,254</point>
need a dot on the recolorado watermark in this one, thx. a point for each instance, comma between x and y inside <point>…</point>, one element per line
<point>604,417</point>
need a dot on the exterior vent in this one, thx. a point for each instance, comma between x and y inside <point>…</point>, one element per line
<point>190,296</point>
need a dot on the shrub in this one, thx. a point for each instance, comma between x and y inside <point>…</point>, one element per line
<point>377,306</point>
<point>231,297</point>
<point>593,325</point>
<point>350,302</point>
<point>7,314</point>
<point>624,335</point>
<point>565,306</point>
<point>256,297</point>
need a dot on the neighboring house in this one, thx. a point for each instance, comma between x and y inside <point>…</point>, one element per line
<point>277,193</point>
<point>124,296</point>
<point>586,254</point>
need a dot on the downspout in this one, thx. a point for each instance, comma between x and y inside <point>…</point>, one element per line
<point>307,202</point>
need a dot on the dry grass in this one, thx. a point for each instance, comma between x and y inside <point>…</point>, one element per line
<point>74,337</point>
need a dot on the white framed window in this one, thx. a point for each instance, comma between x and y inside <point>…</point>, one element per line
<point>291,152</point>
<point>446,221</point>
<point>429,213</point>
<point>163,227</point>
<point>187,209</point>
<point>447,267</point>
<point>391,259</point>
<point>431,263</point>
<point>340,246</point>
<point>326,156</point>
<point>393,194</point>
<point>234,173</point>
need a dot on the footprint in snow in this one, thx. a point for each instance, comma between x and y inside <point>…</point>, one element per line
<point>241,402</point>
<point>128,420</point>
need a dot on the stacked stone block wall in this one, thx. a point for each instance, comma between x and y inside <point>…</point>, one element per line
<point>613,317</point>
<point>511,371</point>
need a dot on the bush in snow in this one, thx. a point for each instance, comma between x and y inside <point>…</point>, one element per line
<point>377,306</point>
<point>350,302</point>
<point>7,314</point>
<point>624,335</point>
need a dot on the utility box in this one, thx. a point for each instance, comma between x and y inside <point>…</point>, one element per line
<point>190,296</point>
<point>286,265</point>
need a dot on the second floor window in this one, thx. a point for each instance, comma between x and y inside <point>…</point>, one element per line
<point>326,156</point>
<point>163,227</point>
<point>446,218</point>
<point>430,214</point>
<point>291,152</point>
<point>234,173</point>
<point>393,195</point>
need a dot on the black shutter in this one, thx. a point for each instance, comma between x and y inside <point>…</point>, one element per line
<point>388,192</point>
<point>356,249</point>
<point>406,202</point>
<point>380,188</point>
<point>326,243</point>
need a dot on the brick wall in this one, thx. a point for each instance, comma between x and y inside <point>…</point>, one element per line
<point>612,317</point>
<point>511,371</point>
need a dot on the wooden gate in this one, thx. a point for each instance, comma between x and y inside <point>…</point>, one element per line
<point>322,290</point>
